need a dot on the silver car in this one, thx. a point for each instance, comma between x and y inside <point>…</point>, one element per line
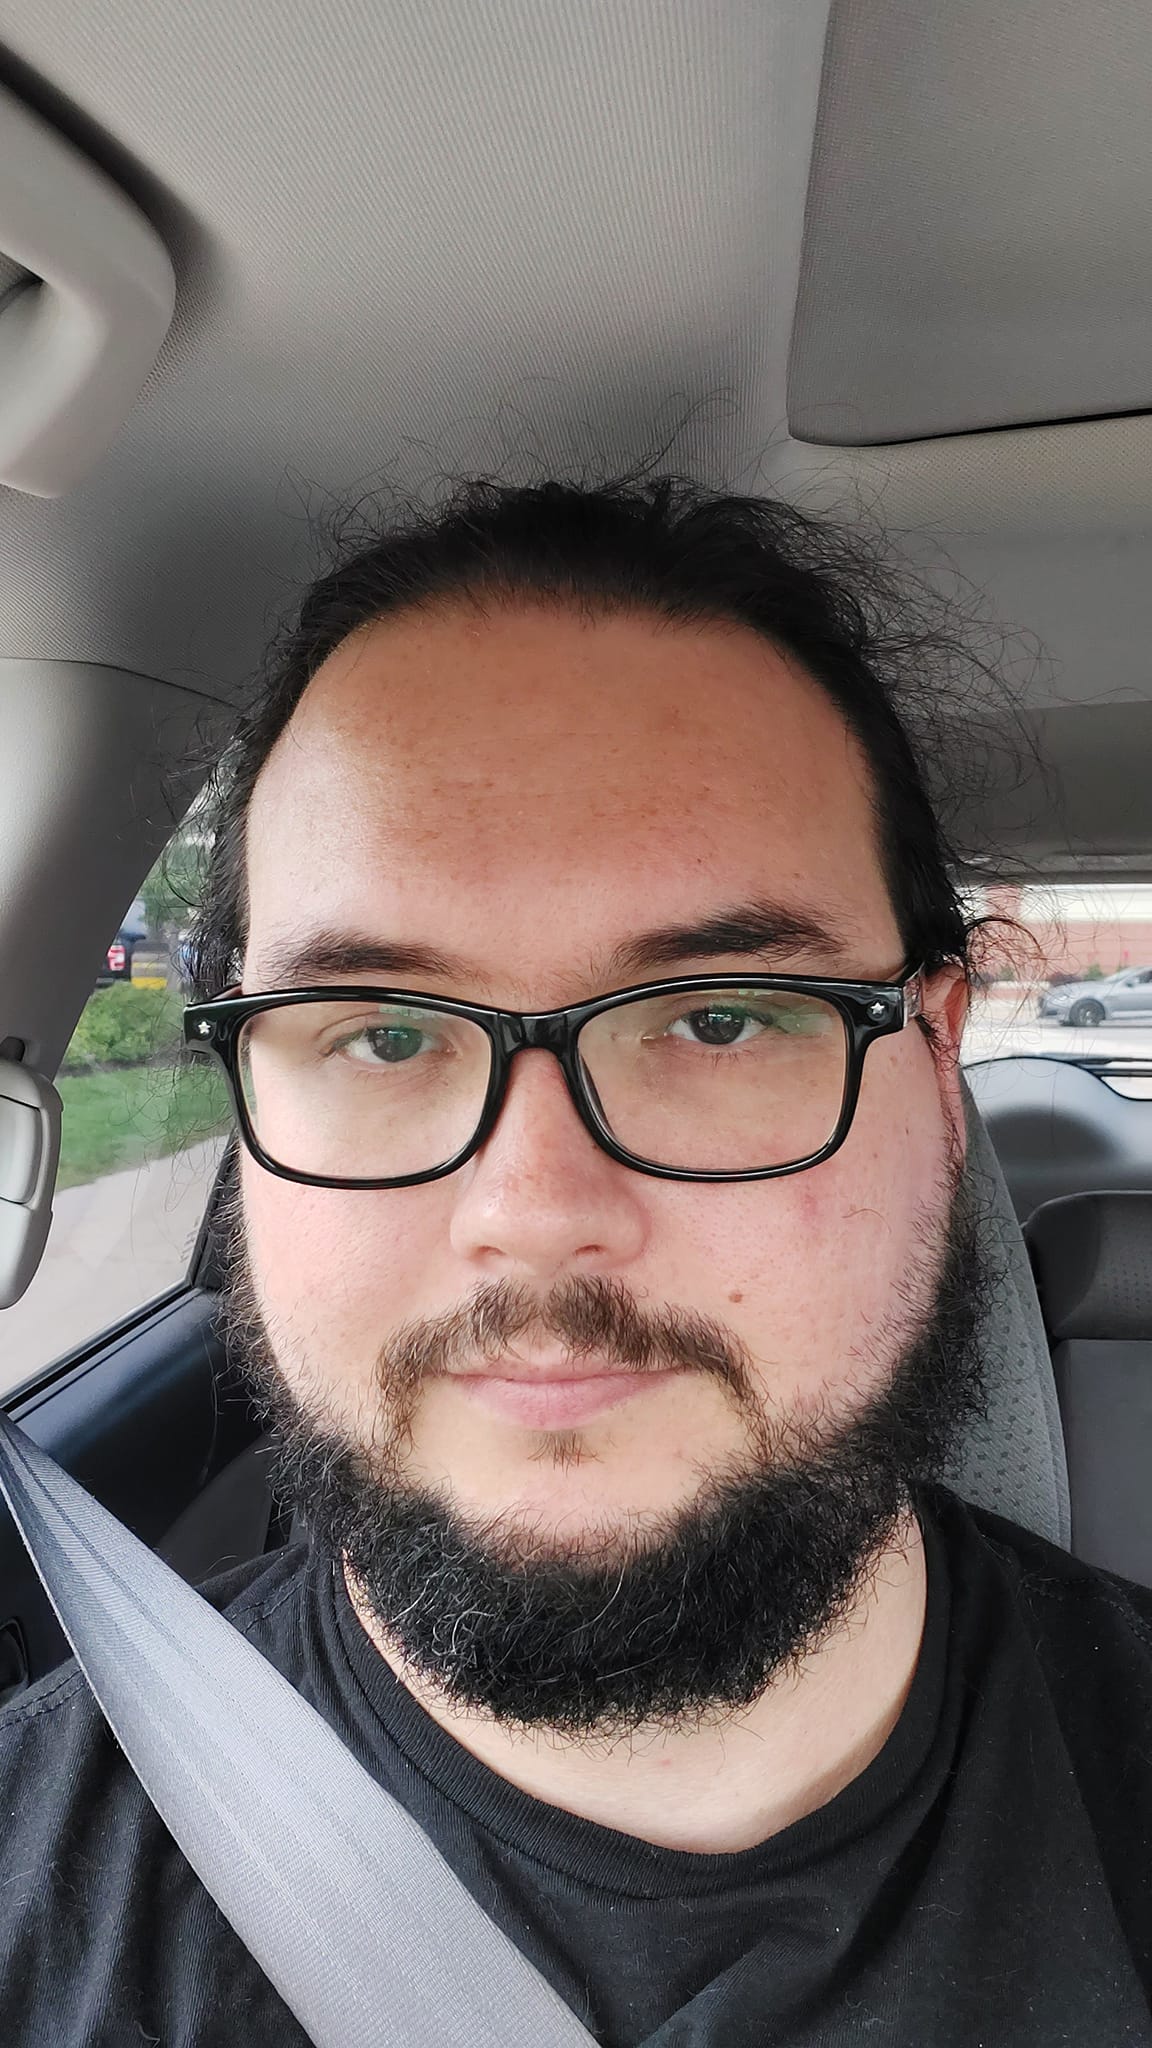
<point>1117,999</point>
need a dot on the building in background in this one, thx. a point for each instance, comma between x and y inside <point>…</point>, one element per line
<point>1072,930</point>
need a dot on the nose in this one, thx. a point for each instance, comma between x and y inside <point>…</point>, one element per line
<point>541,1197</point>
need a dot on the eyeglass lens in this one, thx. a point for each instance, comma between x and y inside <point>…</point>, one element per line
<point>723,1080</point>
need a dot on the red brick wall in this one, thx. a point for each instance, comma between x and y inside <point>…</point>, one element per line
<point>1069,948</point>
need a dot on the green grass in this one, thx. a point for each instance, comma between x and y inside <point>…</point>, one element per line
<point>117,1119</point>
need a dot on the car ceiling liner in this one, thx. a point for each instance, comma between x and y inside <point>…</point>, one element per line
<point>87,293</point>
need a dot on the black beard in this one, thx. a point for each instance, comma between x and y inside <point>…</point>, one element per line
<point>696,1615</point>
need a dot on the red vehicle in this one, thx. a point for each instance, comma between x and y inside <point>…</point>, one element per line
<point>117,963</point>
<point>118,959</point>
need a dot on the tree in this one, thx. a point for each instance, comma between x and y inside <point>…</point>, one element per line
<point>172,890</point>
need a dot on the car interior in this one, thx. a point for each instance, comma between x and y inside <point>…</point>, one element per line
<point>264,266</point>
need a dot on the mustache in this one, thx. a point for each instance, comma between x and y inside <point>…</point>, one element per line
<point>590,1315</point>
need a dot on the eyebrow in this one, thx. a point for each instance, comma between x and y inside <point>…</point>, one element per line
<point>321,954</point>
<point>759,929</point>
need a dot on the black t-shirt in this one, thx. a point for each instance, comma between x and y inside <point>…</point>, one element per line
<point>986,1882</point>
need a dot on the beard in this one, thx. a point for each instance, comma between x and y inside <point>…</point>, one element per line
<point>664,1623</point>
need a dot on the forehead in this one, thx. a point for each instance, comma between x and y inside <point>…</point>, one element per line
<point>532,779</point>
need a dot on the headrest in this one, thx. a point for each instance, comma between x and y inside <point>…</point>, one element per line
<point>1092,1256</point>
<point>1011,1459</point>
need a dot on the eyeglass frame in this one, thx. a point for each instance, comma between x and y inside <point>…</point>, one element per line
<point>870,1010</point>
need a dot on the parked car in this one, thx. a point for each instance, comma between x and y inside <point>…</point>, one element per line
<point>117,962</point>
<point>118,959</point>
<point>1115,999</point>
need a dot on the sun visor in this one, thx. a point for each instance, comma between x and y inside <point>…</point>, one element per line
<point>978,238</point>
<point>1072,797</point>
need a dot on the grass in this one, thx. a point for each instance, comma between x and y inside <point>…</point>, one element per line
<point>122,1117</point>
<point>126,1025</point>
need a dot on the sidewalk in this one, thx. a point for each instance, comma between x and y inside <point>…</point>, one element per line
<point>115,1244</point>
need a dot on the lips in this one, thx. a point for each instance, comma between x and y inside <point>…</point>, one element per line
<point>555,1393</point>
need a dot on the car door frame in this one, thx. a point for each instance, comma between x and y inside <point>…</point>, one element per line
<point>155,1419</point>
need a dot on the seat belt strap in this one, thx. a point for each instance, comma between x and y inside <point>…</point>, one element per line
<point>368,1935</point>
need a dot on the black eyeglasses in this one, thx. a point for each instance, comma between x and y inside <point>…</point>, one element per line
<point>729,1077</point>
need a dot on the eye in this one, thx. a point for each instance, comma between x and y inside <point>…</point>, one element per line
<point>382,1044</point>
<point>720,1024</point>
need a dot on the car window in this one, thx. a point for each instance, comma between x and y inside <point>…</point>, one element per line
<point>1068,974</point>
<point>141,1137</point>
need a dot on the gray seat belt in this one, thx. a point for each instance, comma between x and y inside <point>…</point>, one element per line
<point>367,1934</point>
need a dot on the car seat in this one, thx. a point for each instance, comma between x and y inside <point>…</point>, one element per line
<point>1011,1459</point>
<point>1092,1256</point>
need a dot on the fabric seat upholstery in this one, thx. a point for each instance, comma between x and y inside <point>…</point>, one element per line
<point>1092,1256</point>
<point>1011,1460</point>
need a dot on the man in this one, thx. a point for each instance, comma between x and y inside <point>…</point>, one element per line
<point>616,1345</point>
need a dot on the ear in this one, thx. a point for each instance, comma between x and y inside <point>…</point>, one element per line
<point>945,1007</point>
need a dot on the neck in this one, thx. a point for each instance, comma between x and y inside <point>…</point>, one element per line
<point>734,1781</point>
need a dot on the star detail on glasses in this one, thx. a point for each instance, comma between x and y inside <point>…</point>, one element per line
<point>204,1028</point>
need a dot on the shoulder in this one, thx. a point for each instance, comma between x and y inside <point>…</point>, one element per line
<point>1070,1647</point>
<point>1080,1619</point>
<point>67,1790</point>
<point>99,1912</point>
<point>59,1713</point>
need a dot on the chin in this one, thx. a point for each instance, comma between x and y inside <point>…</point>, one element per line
<point>561,1498</point>
<point>626,1466</point>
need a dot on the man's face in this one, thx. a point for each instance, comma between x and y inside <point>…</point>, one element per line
<point>527,792</point>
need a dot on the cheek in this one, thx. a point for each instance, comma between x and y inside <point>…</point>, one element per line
<point>807,1269</point>
<point>335,1272</point>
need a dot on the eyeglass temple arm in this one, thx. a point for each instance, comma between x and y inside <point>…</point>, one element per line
<point>913,992</point>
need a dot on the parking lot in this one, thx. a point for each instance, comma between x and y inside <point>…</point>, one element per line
<point>1000,1025</point>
